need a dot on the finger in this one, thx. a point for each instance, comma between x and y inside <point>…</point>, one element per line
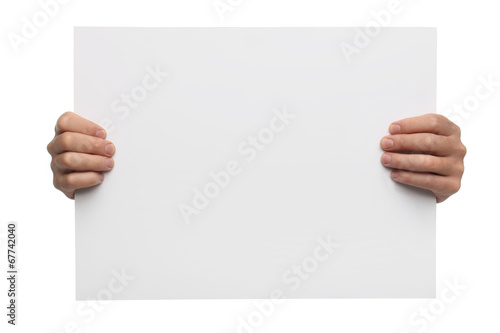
<point>70,182</point>
<point>435,183</point>
<point>428,143</point>
<point>71,161</point>
<point>81,143</point>
<point>416,162</point>
<point>428,123</point>
<point>71,122</point>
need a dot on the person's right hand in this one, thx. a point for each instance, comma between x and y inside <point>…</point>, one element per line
<point>80,154</point>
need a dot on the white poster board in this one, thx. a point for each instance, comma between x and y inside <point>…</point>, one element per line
<point>247,164</point>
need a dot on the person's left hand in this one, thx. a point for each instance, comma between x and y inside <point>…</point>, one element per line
<point>425,152</point>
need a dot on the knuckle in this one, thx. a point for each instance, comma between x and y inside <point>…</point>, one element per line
<point>69,181</point>
<point>409,164</point>
<point>429,163</point>
<point>462,150</point>
<point>399,141</point>
<point>49,147</point>
<point>65,159</point>
<point>65,183</point>
<point>426,181</point>
<point>53,167</point>
<point>64,120</point>
<point>414,162</point>
<point>434,121</point>
<point>428,142</point>
<point>66,140</point>
<point>87,145</point>
<point>439,117</point>
<point>455,186</point>
<point>404,177</point>
<point>96,146</point>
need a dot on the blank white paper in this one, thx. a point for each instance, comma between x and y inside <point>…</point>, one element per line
<point>247,164</point>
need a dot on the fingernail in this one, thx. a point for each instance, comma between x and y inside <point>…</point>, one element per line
<point>387,143</point>
<point>386,159</point>
<point>100,134</point>
<point>101,176</point>
<point>110,162</point>
<point>109,149</point>
<point>395,174</point>
<point>394,129</point>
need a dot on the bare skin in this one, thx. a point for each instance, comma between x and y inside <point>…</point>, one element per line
<point>80,154</point>
<point>424,152</point>
<point>436,161</point>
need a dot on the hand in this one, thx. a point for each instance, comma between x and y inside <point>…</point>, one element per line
<point>79,153</point>
<point>425,152</point>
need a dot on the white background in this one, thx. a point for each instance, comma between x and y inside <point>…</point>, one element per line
<point>37,86</point>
